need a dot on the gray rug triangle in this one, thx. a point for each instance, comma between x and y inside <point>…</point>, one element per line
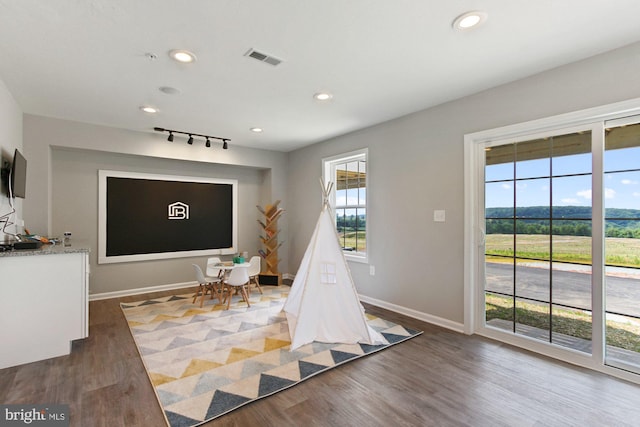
<point>206,362</point>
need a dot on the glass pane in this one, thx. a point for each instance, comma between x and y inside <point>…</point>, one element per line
<point>499,162</point>
<point>499,311</point>
<point>532,193</point>
<point>571,196</point>
<point>360,230</point>
<point>572,241</point>
<point>622,148</point>
<point>572,285</point>
<point>498,199</point>
<point>499,238</point>
<point>352,197</point>
<point>532,319</point>
<point>532,240</point>
<point>622,194</point>
<point>362,196</point>
<point>622,246</point>
<point>533,159</point>
<point>499,275</point>
<point>571,328</point>
<point>340,225</point>
<point>532,279</point>
<point>341,197</point>
<point>571,153</point>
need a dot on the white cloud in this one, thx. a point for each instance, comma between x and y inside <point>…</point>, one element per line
<point>586,194</point>
<point>609,193</point>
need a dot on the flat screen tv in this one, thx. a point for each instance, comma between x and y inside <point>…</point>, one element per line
<point>18,176</point>
<point>149,216</point>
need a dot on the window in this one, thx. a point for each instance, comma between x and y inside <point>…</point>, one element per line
<point>552,226</point>
<point>348,199</point>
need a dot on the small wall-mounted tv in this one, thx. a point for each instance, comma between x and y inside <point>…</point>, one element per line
<point>18,176</point>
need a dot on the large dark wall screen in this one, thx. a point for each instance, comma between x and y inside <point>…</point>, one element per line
<point>148,216</point>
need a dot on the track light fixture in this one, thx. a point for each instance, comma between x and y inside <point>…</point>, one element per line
<point>208,138</point>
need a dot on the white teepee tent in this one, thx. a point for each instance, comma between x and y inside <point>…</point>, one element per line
<point>323,304</point>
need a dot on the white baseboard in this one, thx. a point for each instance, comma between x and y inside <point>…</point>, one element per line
<point>429,318</point>
<point>138,291</point>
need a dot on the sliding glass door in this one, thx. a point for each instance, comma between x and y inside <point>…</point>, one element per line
<point>622,244</point>
<point>538,238</point>
<point>561,245</point>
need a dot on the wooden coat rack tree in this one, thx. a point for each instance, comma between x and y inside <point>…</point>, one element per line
<point>270,275</point>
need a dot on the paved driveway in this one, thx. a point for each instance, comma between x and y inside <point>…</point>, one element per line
<point>571,288</point>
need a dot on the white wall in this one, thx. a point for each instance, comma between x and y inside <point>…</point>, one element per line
<point>416,167</point>
<point>10,139</point>
<point>64,158</point>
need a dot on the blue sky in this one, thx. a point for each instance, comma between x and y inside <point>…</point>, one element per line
<point>621,189</point>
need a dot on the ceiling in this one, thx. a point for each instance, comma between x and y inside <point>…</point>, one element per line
<point>91,60</point>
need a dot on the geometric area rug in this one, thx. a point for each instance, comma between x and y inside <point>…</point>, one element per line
<point>205,362</point>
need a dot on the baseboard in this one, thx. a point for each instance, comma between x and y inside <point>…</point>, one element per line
<point>435,320</point>
<point>138,291</point>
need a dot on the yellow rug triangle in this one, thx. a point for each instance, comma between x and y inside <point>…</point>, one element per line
<point>237,354</point>
<point>162,317</point>
<point>197,366</point>
<point>192,312</point>
<point>158,379</point>
<point>271,344</point>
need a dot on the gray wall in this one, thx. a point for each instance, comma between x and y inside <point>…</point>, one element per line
<point>10,139</point>
<point>416,167</point>
<point>64,158</point>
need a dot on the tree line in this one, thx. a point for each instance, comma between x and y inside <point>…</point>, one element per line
<point>567,221</point>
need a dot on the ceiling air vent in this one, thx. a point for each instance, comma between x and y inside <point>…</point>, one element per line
<point>263,57</point>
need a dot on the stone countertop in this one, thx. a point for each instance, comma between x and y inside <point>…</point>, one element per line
<point>49,249</point>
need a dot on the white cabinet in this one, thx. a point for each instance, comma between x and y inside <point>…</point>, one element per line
<point>44,303</point>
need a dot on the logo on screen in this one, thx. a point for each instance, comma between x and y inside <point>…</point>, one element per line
<point>178,210</point>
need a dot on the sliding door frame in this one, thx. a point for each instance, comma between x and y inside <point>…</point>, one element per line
<point>592,119</point>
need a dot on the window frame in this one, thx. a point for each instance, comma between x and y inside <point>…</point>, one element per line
<point>329,175</point>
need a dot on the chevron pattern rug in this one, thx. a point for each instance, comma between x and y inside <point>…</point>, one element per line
<point>205,362</point>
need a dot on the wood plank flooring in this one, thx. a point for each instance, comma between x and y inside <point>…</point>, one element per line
<point>440,378</point>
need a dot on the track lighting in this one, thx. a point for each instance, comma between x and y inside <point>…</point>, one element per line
<point>208,138</point>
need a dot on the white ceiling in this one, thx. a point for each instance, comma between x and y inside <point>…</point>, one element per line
<point>85,60</point>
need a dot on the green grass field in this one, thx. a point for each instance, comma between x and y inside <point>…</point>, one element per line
<point>622,252</point>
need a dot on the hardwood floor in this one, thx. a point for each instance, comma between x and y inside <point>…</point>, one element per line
<point>440,378</point>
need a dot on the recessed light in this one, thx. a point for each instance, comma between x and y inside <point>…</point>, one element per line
<point>469,20</point>
<point>182,55</point>
<point>256,130</point>
<point>323,96</point>
<point>149,109</point>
